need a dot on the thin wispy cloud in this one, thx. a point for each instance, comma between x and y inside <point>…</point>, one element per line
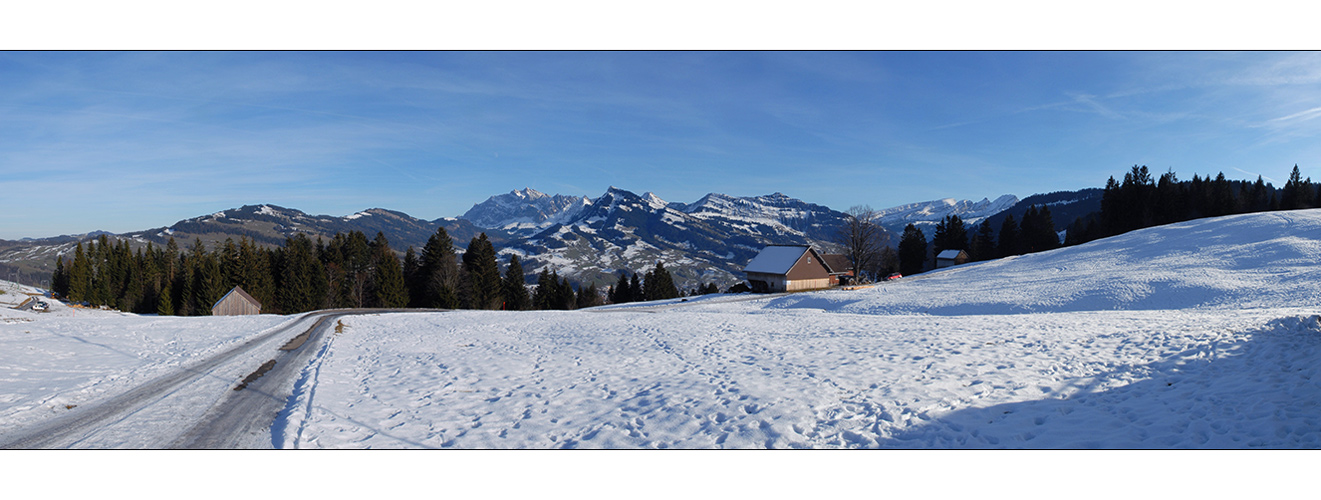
<point>436,132</point>
<point>1300,116</point>
<point>1254,175</point>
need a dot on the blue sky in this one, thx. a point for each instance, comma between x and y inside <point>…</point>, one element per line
<point>122,141</point>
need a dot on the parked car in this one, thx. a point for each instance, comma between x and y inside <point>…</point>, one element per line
<point>893,277</point>
<point>40,306</point>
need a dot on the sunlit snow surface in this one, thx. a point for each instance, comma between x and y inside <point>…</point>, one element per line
<point>1197,335</point>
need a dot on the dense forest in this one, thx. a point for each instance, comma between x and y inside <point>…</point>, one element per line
<point>347,271</point>
<point>1141,201</point>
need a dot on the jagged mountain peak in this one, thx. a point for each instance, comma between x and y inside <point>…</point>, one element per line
<point>529,194</point>
<point>653,200</point>
<point>524,212</point>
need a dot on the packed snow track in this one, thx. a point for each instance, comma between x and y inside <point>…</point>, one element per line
<point>202,401</point>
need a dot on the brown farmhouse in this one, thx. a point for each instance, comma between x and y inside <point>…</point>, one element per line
<point>788,268</point>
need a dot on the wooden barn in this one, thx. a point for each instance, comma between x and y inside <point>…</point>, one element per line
<point>788,268</point>
<point>841,270</point>
<point>236,303</point>
<point>950,258</point>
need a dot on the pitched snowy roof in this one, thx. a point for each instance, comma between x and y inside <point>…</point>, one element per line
<point>949,254</point>
<point>775,259</point>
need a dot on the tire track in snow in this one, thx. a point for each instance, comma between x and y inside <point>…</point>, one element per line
<point>89,420</point>
<point>296,405</point>
<point>237,420</point>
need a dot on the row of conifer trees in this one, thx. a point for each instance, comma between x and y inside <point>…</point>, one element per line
<point>349,271</point>
<point>1036,233</point>
<point>1139,201</point>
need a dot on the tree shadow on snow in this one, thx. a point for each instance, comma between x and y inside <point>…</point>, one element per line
<point>1259,390</point>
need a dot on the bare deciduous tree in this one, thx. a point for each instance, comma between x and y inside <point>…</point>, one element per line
<point>862,239</point>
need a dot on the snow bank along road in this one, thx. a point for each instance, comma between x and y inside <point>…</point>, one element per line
<point>195,405</point>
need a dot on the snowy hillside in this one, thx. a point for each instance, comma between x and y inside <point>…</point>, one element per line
<point>926,214</point>
<point>1203,334</point>
<point>1198,335</point>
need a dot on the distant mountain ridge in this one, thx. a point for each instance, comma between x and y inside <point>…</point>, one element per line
<point>925,215</point>
<point>594,240</point>
<point>1065,207</point>
<point>589,240</point>
<point>272,225</point>
<point>524,212</point>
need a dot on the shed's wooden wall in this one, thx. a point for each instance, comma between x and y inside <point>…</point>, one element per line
<point>235,305</point>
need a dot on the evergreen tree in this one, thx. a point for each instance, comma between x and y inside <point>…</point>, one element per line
<point>230,265</point>
<point>339,277</point>
<point>1045,237</point>
<point>210,283</point>
<point>412,277</point>
<point>59,280</point>
<point>1223,201</point>
<point>543,295</point>
<point>635,289</point>
<point>1297,192</point>
<point>1169,200</point>
<point>483,274</point>
<point>357,258</point>
<point>1029,231</point>
<point>165,304</point>
<point>565,298</point>
<point>131,298</point>
<point>102,273</point>
<point>515,287</point>
<point>151,280</point>
<point>256,276</point>
<point>302,286</point>
<point>1008,244</point>
<point>982,246</point>
<point>950,235</point>
<point>619,294</point>
<point>387,283</point>
<point>660,284</point>
<point>440,272</point>
<point>184,304</point>
<point>589,296</point>
<point>912,251</point>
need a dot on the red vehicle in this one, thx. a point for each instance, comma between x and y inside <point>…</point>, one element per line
<point>893,277</point>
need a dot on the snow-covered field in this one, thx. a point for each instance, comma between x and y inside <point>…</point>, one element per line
<point>1197,335</point>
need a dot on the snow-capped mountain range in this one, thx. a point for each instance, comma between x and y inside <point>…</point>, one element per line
<point>525,212</point>
<point>927,214</point>
<point>589,240</point>
<point>596,239</point>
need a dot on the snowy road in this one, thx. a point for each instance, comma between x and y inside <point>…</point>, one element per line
<point>244,418</point>
<point>197,400</point>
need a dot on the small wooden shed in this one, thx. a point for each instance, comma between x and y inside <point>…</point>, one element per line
<point>236,303</point>
<point>787,268</point>
<point>950,258</point>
